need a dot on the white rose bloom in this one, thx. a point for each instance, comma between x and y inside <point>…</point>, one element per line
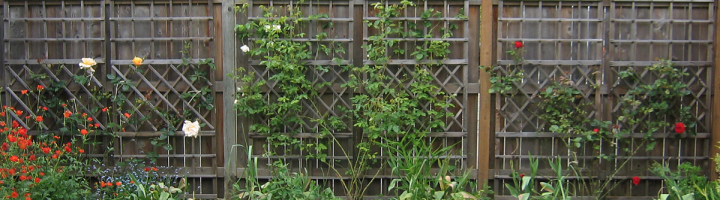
<point>87,64</point>
<point>245,48</point>
<point>272,27</point>
<point>191,129</point>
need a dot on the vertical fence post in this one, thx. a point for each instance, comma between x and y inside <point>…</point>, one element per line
<point>715,108</point>
<point>484,143</point>
<point>229,131</point>
<point>3,72</point>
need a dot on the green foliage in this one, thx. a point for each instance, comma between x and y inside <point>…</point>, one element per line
<point>390,103</point>
<point>657,100</point>
<point>284,58</point>
<point>503,82</point>
<point>685,184</point>
<point>283,185</point>
<point>158,191</point>
<point>523,186</point>
<point>415,173</point>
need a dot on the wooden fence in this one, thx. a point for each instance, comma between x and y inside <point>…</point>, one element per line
<point>577,38</point>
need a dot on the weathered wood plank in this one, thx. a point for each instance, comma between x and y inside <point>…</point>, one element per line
<point>484,143</point>
<point>715,138</point>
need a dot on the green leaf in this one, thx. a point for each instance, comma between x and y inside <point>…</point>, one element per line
<point>439,195</point>
<point>690,196</point>
<point>547,186</point>
<point>524,196</point>
<point>406,195</point>
<point>525,182</point>
<point>392,184</point>
<point>164,196</point>
<point>512,189</point>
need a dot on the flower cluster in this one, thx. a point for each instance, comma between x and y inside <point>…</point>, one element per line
<point>30,166</point>
<point>122,182</point>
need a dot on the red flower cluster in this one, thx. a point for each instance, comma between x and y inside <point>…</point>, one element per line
<point>24,159</point>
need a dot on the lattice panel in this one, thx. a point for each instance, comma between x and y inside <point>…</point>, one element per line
<point>173,84</point>
<point>566,39</point>
<point>39,39</point>
<point>552,31</point>
<point>678,31</point>
<point>451,77</point>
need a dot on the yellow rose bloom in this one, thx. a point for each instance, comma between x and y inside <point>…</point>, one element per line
<point>137,61</point>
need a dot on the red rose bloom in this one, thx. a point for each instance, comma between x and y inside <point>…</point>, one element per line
<point>24,92</point>
<point>14,158</point>
<point>518,44</point>
<point>596,130</point>
<point>635,180</point>
<point>39,118</point>
<point>679,128</point>
<point>83,132</point>
<point>40,87</point>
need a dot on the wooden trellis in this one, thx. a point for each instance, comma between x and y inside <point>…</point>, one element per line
<point>588,41</point>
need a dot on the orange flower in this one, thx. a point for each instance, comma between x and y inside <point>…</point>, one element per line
<point>137,61</point>
<point>14,194</point>
<point>45,108</point>
<point>37,180</point>
<point>154,169</point>
<point>89,119</point>
<point>40,87</point>
<point>118,183</point>
<point>14,159</point>
<point>18,112</point>
<point>102,184</point>
<point>105,109</point>
<point>81,151</point>
<point>63,105</point>
<point>39,118</point>
<point>24,92</point>
<point>127,115</point>
<point>83,132</point>
<point>67,113</point>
